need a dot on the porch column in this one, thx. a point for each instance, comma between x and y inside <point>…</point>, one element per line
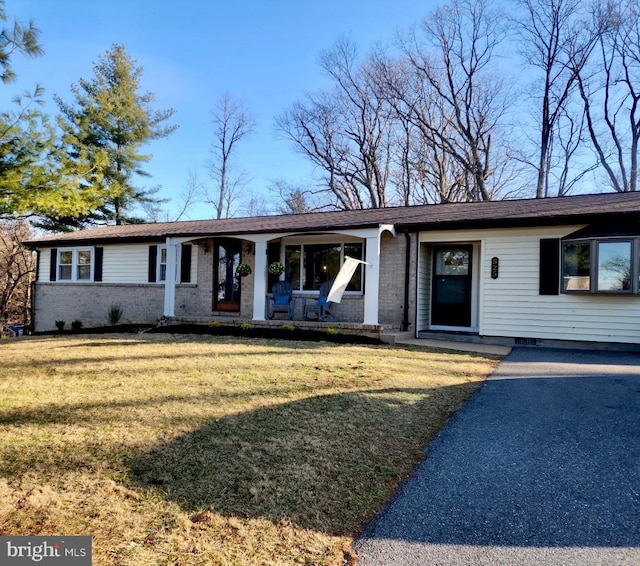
<point>260,279</point>
<point>170,279</point>
<point>372,280</point>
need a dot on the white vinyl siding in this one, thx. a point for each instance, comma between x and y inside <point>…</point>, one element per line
<point>424,288</point>
<point>511,305</point>
<point>121,263</point>
<point>125,263</point>
<point>129,263</point>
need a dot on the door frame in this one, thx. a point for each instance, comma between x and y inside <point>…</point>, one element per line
<point>226,305</point>
<point>474,283</point>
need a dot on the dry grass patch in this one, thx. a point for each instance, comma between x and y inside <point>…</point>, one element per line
<point>210,450</point>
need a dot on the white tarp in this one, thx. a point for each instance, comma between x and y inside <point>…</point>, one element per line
<point>342,279</point>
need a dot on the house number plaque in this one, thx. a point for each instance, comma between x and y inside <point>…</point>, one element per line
<point>495,262</point>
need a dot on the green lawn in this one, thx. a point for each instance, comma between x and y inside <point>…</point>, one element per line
<point>194,450</point>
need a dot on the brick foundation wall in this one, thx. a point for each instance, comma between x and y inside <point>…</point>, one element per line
<point>90,303</point>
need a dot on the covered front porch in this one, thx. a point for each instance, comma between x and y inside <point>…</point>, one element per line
<point>310,260</point>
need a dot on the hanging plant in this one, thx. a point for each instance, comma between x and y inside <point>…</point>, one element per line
<point>276,268</point>
<point>243,269</point>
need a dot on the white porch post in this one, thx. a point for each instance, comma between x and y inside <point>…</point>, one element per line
<point>372,280</point>
<point>260,279</point>
<point>170,280</point>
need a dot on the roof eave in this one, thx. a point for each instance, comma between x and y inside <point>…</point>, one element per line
<point>518,222</point>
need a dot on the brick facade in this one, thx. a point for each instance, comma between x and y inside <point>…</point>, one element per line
<point>144,303</point>
<point>90,303</point>
<point>392,281</point>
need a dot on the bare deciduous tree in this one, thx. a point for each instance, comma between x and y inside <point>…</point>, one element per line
<point>610,92</point>
<point>292,199</point>
<point>451,61</point>
<point>232,122</point>
<point>191,191</point>
<point>425,172</point>
<point>17,268</point>
<point>555,41</point>
<point>347,131</point>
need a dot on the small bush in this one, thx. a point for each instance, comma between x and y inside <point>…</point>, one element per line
<point>331,331</point>
<point>60,324</point>
<point>214,324</point>
<point>289,327</point>
<point>246,326</point>
<point>114,314</point>
<point>76,325</point>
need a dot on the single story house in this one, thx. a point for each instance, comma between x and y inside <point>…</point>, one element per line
<point>565,268</point>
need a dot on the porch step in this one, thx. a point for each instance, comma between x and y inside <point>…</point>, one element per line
<point>463,343</point>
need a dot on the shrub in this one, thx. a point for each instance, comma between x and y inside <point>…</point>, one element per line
<point>331,331</point>
<point>114,314</point>
<point>76,325</point>
<point>246,326</point>
<point>60,324</point>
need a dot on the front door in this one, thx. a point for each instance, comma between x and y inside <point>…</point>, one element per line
<point>451,289</point>
<point>226,296</point>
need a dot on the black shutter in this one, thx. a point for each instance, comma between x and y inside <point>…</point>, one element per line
<point>550,266</point>
<point>153,259</point>
<point>185,264</point>
<point>97,265</point>
<point>53,266</point>
<point>37,265</point>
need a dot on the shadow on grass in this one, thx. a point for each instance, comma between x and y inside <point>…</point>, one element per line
<point>173,351</point>
<point>325,463</point>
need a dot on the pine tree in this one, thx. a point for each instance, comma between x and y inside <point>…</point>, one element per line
<point>107,124</point>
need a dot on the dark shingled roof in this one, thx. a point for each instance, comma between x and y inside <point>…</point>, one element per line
<point>493,214</point>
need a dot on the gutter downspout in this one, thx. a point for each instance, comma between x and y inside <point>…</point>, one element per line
<point>407,262</point>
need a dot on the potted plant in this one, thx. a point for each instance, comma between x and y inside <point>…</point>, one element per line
<point>243,269</point>
<point>276,268</point>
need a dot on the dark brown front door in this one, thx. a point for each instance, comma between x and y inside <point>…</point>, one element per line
<point>451,294</point>
<point>226,296</point>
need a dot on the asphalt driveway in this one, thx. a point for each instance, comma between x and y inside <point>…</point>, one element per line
<point>540,467</point>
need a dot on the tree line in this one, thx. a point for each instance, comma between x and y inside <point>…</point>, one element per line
<point>481,100</point>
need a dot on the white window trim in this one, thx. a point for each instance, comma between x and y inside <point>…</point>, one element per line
<point>161,247</point>
<point>74,264</point>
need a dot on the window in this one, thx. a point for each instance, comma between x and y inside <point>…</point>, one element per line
<point>614,266</point>
<point>75,264</point>
<point>309,265</point>
<point>600,266</point>
<point>162,263</point>
<point>158,263</point>
<point>83,272</point>
<point>576,269</point>
<point>65,265</point>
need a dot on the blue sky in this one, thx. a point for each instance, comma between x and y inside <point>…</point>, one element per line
<point>264,52</point>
